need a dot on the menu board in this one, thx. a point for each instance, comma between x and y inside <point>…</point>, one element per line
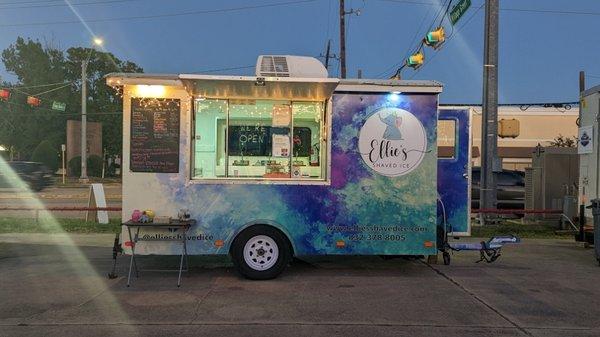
<point>154,141</point>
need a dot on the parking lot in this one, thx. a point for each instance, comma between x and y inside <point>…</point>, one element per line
<point>57,286</point>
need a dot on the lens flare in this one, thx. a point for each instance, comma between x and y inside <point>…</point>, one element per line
<point>44,279</point>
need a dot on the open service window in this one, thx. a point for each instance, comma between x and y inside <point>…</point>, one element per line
<point>259,139</point>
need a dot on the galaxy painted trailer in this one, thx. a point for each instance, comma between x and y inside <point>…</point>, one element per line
<point>272,168</point>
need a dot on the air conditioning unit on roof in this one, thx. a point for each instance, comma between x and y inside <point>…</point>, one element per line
<point>290,66</point>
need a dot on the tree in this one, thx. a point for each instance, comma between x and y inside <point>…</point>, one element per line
<point>47,154</point>
<point>23,127</point>
<point>563,141</point>
<point>102,98</point>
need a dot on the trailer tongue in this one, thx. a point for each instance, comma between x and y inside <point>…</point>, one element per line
<point>489,251</point>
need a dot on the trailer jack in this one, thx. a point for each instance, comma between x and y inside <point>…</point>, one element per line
<point>117,249</point>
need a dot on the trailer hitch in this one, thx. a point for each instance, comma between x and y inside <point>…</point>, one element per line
<point>489,251</point>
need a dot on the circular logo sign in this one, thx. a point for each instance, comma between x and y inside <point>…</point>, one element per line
<point>392,142</point>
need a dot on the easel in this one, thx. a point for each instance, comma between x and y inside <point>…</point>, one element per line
<point>97,200</point>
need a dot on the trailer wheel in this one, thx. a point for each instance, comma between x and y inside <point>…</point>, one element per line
<point>260,252</point>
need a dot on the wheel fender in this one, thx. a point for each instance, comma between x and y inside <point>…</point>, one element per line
<point>261,222</point>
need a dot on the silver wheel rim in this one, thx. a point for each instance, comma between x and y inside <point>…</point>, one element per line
<point>261,252</point>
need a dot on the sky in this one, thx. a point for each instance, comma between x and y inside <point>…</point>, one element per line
<point>540,53</point>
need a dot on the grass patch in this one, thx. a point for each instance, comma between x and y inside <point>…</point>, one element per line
<point>535,231</point>
<point>47,225</point>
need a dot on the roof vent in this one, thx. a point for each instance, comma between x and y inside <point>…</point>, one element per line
<point>289,66</point>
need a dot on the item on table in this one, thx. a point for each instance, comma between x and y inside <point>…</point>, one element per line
<point>162,219</point>
<point>149,213</point>
<point>135,216</point>
<point>144,218</point>
<point>184,214</point>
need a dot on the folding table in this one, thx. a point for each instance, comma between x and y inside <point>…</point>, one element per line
<point>179,234</point>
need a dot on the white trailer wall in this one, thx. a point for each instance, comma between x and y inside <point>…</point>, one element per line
<point>589,180</point>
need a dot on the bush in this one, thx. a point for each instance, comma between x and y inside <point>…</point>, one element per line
<point>75,166</point>
<point>46,154</point>
<point>94,166</point>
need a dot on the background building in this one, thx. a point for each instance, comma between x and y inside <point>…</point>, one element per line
<point>534,125</point>
<point>94,139</point>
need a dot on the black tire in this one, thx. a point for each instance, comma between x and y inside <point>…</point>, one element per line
<point>283,257</point>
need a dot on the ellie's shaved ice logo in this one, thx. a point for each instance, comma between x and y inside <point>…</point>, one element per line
<point>392,142</point>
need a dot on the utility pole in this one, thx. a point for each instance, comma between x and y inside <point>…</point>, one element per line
<point>489,136</point>
<point>84,176</point>
<point>342,40</point>
<point>327,51</point>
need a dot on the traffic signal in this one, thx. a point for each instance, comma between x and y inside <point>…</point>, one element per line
<point>4,94</point>
<point>435,38</point>
<point>415,60</point>
<point>33,101</point>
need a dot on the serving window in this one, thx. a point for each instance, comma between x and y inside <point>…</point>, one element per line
<point>259,140</point>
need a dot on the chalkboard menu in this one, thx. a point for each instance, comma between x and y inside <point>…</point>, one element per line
<point>252,140</point>
<point>154,139</point>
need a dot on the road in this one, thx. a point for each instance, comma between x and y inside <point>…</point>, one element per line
<point>56,286</point>
<point>57,197</point>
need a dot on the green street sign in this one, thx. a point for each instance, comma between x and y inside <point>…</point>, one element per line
<point>59,106</point>
<point>458,10</point>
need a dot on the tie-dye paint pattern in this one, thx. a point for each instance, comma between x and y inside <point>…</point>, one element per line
<point>369,212</point>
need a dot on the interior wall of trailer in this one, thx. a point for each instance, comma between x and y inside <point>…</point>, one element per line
<point>250,150</point>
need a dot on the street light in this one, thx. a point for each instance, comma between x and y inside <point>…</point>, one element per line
<point>84,177</point>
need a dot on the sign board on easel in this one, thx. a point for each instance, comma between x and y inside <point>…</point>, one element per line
<point>97,199</point>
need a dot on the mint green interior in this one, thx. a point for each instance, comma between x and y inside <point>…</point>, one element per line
<point>211,157</point>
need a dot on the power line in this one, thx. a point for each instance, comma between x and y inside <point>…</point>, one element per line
<point>28,2</point>
<point>54,112</point>
<point>407,53</point>
<point>17,90</point>
<point>36,86</point>
<point>450,38</point>
<point>328,19</point>
<point>222,69</point>
<point>51,90</point>
<point>412,2</point>
<point>446,4</point>
<point>549,11</point>
<point>526,10</point>
<point>156,16</point>
<point>62,4</point>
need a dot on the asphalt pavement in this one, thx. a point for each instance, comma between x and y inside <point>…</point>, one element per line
<point>56,285</point>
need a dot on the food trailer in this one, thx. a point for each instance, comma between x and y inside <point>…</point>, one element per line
<point>276,167</point>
